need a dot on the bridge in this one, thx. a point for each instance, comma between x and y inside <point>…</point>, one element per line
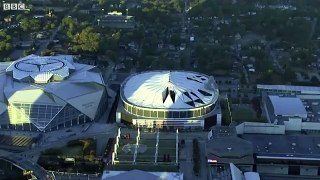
<point>25,164</point>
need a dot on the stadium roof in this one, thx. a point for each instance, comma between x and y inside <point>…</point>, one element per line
<point>138,175</point>
<point>288,106</point>
<point>41,68</point>
<point>302,89</point>
<point>83,88</point>
<point>170,89</point>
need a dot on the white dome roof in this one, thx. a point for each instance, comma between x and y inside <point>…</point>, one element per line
<point>170,89</point>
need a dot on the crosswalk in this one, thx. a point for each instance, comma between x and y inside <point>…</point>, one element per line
<point>20,141</point>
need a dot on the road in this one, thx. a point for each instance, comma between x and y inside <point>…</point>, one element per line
<point>26,164</point>
<point>274,56</point>
<point>45,44</point>
<point>314,23</point>
<point>109,71</point>
<point>27,160</point>
<point>186,165</point>
<point>186,25</point>
<point>245,74</point>
<point>34,153</point>
<point>75,176</point>
<point>16,54</point>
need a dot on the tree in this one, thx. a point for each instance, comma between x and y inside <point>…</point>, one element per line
<point>5,43</point>
<point>24,24</point>
<point>102,2</point>
<point>289,75</point>
<point>243,79</point>
<point>30,25</point>
<point>7,59</point>
<point>47,52</point>
<point>314,80</point>
<point>175,39</point>
<point>52,25</point>
<point>19,17</point>
<point>70,25</point>
<point>28,52</point>
<point>86,41</point>
<point>34,24</point>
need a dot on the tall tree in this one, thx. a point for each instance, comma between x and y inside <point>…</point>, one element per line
<point>86,41</point>
<point>30,25</point>
<point>5,43</point>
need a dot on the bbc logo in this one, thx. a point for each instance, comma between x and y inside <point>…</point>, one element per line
<point>14,7</point>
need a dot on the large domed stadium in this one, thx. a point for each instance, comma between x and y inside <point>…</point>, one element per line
<point>48,92</point>
<point>177,99</point>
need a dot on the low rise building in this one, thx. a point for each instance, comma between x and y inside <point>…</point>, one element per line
<point>117,20</point>
<point>224,147</point>
<point>286,154</point>
<point>295,107</point>
<point>270,155</point>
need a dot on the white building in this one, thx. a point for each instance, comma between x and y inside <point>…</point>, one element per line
<point>49,92</point>
<point>289,89</point>
<point>295,107</point>
<point>157,99</point>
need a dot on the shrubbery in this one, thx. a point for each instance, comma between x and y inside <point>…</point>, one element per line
<point>76,142</point>
<point>52,151</point>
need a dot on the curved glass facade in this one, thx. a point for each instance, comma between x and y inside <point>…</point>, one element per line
<point>166,114</point>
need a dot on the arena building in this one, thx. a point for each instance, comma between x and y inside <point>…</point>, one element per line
<point>49,92</point>
<point>171,99</point>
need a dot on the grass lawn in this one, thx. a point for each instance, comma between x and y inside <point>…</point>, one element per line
<point>167,143</point>
<point>148,155</point>
<point>145,158</point>
<point>226,119</point>
<point>123,142</point>
<point>245,115</point>
<point>125,158</point>
<point>167,147</point>
<point>73,151</point>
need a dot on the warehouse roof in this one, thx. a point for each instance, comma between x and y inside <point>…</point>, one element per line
<point>302,89</point>
<point>288,106</point>
<point>285,146</point>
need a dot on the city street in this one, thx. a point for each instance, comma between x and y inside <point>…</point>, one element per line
<point>45,44</point>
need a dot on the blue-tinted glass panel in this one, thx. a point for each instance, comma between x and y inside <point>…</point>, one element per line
<point>183,114</point>
<point>175,114</point>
